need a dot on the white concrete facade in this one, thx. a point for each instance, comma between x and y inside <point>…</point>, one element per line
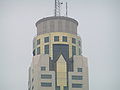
<point>43,60</point>
<point>79,62</point>
<point>38,62</point>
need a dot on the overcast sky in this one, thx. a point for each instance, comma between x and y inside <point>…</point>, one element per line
<point>99,28</point>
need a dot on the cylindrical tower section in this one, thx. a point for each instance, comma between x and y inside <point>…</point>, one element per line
<point>57,24</point>
<point>57,35</point>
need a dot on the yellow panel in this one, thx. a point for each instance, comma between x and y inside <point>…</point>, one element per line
<point>61,72</point>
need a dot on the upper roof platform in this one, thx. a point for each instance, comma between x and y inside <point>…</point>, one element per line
<point>56,24</point>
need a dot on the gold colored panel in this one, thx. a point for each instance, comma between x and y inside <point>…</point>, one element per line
<point>61,72</point>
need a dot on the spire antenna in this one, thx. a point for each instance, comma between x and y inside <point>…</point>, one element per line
<point>58,7</point>
<point>66,9</point>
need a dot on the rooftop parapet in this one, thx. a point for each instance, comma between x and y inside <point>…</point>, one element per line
<point>57,24</point>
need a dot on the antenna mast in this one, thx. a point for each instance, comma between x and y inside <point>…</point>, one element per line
<point>58,7</point>
<point>66,9</point>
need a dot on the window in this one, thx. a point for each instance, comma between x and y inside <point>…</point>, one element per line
<point>64,39</point>
<point>79,51</point>
<point>46,49</point>
<point>56,38</point>
<point>79,70</point>
<point>74,40</point>
<point>73,50</point>
<point>46,84</point>
<point>46,76</point>
<point>32,87</point>
<point>46,39</point>
<point>79,43</point>
<point>65,88</point>
<point>58,88</point>
<point>34,52</point>
<point>43,68</point>
<point>60,48</point>
<point>38,50</point>
<point>32,79</point>
<point>38,41</point>
<point>77,77</point>
<point>77,85</point>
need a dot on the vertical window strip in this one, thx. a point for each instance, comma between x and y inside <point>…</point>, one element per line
<point>74,40</point>
<point>46,49</point>
<point>38,42</point>
<point>73,50</point>
<point>38,50</point>
<point>46,39</point>
<point>64,38</point>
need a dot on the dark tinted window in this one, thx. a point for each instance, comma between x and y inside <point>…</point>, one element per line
<point>32,87</point>
<point>75,77</point>
<point>38,50</point>
<point>34,52</point>
<point>73,50</point>
<point>79,51</point>
<point>46,76</point>
<point>46,39</point>
<point>38,41</point>
<point>64,39</point>
<point>43,68</point>
<point>60,49</point>
<point>79,70</point>
<point>46,84</point>
<point>46,49</point>
<point>57,87</point>
<point>65,88</point>
<point>77,85</point>
<point>74,40</point>
<point>56,38</point>
<point>32,79</point>
<point>79,43</point>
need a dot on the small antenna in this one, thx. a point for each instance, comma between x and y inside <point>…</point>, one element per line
<point>66,9</point>
<point>58,7</point>
<point>55,7</point>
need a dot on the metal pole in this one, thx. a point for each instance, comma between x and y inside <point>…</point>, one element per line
<point>66,9</point>
<point>55,7</point>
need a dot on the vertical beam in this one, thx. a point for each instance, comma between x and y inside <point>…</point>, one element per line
<point>66,9</point>
<point>55,7</point>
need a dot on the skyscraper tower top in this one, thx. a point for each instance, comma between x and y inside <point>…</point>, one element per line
<point>58,63</point>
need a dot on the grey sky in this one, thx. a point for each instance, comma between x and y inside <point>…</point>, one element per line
<point>99,28</point>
